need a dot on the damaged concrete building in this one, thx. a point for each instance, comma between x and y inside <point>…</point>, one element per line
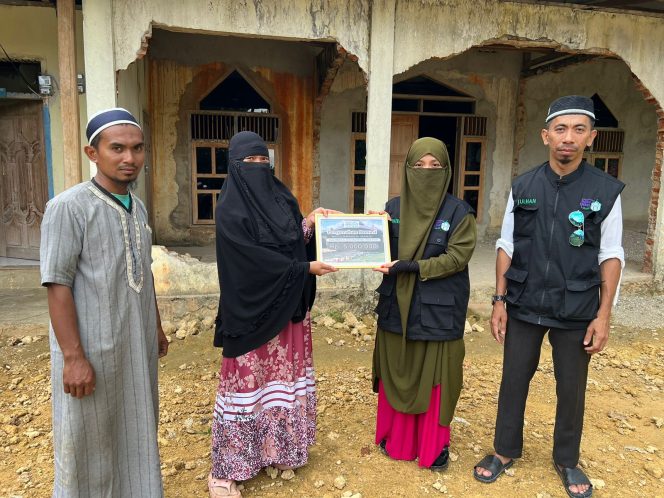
<point>339,90</point>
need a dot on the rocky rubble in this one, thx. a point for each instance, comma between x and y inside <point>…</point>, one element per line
<point>621,452</point>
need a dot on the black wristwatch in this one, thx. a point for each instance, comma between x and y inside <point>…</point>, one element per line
<point>496,298</point>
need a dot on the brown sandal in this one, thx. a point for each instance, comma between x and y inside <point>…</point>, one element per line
<point>222,488</point>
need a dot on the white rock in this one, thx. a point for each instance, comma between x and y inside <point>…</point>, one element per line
<point>272,472</point>
<point>340,482</point>
<point>349,318</point>
<point>181,333</point>
<point>287,474</point>
<point>598,483</point>
<point>460,420</point>
<point>26,340</point>
<point>467,329</point>
<point>477,327</point>
<point>319,484</point>
<point>169,471</point>
<point>168,327</point>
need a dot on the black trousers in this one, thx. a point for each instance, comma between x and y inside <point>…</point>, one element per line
<point>523,343</point>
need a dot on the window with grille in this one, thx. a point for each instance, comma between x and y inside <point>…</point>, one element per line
<point>606,152</point>
<point>358,159</point>
<point>232,106</point>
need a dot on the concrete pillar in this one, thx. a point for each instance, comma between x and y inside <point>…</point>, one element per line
<point>69,92</point>
<point>379,105</point>
<point>99,57</point>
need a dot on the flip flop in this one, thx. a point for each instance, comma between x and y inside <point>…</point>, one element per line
<point>222,488</point>
<point>493,464</point>
<point>574,477</point>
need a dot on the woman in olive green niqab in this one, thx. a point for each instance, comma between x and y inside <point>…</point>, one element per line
<point>418,377</point>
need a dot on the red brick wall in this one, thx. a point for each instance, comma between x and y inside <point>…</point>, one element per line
<point>656,177</point>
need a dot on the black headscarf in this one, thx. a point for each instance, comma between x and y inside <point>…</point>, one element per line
<point>262,259</point>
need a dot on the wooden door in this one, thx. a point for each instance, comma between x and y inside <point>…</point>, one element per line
<point>23,178</point>
<point>405,130</point>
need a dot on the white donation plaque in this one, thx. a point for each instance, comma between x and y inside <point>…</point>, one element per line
<point>352,240</point>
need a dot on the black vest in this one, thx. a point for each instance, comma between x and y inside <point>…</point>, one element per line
<point>438,307</point>
<point>551,282</point>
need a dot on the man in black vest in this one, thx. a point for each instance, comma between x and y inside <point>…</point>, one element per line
<point>558,265</point>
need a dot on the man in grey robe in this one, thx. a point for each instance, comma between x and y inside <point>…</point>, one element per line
<point>105,333</point>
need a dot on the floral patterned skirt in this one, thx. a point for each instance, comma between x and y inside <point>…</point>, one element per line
<point>265,409</point>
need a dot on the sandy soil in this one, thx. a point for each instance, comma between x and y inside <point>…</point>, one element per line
<point>622,449</point>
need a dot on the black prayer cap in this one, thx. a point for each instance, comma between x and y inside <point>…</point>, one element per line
<point>101,120</point>
<point>571,104</point>
<point>245,144</point>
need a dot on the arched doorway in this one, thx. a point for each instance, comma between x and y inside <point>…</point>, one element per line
<point>232,105</point>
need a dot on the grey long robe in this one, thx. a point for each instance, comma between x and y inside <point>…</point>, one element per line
<point>106,443</point>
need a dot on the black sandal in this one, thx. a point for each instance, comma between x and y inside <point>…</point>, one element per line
<point>493,464</point>
<point>442,462</point>
<point>574,477</point>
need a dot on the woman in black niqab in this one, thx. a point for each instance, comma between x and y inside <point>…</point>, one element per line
<point>262,260</point>
<point>265,261</point>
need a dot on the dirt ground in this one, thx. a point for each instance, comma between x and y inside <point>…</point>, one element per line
<point>622,449</point>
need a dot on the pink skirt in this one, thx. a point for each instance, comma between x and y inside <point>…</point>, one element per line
<point>265,409</point>
<point>411,436</point>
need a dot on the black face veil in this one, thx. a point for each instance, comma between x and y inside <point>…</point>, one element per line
<point>262,259</point>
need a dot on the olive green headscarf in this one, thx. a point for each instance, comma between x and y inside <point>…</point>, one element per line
<point>422,193</point>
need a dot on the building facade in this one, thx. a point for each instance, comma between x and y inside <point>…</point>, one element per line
<point>339,90</point>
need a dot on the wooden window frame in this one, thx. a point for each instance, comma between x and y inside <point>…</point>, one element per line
<point>591,156</point>
<point>216,144</point>
<point>354,136</point>
<point>195,176</point>
<point>461,188</point>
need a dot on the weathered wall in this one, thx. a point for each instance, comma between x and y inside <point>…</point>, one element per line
<point>335,146</point>
<point>612,81</point>
<point>346,21</point>
<point>32,33</point>
<point>176,88</point>
<point>132,94</point>
<point>639,40</point>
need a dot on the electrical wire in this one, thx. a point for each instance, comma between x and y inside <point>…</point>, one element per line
<point>27,83</point>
